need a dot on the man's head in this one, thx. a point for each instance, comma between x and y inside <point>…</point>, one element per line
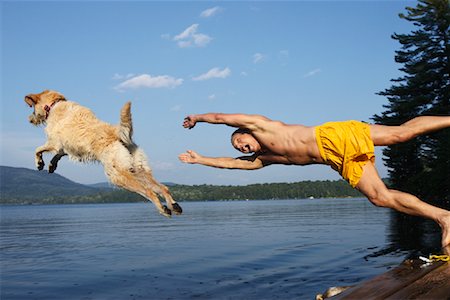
<point>243,141</point>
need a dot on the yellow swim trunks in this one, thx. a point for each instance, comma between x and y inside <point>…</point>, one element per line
<point>346,147</point>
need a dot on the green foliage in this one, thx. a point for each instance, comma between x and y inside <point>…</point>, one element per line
<point>421,166</point>
<point>297,190</point>
<point>24,186</point>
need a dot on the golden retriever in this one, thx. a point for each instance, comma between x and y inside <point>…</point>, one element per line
<point>74,130</point>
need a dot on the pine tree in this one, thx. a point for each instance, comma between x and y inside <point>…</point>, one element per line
<point>421,166</point>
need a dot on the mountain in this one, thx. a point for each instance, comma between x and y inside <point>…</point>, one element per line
<point>104,185</point>
<point>26,184</point>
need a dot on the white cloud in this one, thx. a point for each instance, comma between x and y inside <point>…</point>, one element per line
<point>213,73</point>
<point>312,73</point>
<point>258,57</point>
<point>187,33</point>
<point>201,39</point>
<point>190,37</point>
<point>210,12</point>
<point>212,97</point>
<point>149,81</point>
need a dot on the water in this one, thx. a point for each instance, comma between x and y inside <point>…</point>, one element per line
<point>290,249</point>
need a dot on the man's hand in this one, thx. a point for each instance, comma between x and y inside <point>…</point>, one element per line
<point>189,157</point>
<point>189,122</point>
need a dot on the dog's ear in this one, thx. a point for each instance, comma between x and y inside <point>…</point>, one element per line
<point>30,100</point>
<point>57,96</point>
<point>61,98</point>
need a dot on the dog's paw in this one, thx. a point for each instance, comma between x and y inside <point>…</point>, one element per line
<point>40,165</point>
<point>52,168</point>
<point>166,212</point>
<point>177,209</point>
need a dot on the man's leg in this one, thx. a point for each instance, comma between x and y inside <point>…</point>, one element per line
<point>376,191</point>
<point>383,135</point>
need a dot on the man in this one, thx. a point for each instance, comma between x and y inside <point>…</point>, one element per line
<point>348,147</point>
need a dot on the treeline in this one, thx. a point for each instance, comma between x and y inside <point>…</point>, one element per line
<point>422,165</point>
<point>297,190</point>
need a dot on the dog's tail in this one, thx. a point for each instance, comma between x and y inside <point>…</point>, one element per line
<point>126,125</point>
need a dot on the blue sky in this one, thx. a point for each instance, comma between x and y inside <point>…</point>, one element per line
<point>304,62</point>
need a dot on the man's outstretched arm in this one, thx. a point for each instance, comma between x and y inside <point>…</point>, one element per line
<point>251,122</point>
<point>243,163</point>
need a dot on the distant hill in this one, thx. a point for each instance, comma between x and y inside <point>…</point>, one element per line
<point>25,186</point>
<point>105,185</point>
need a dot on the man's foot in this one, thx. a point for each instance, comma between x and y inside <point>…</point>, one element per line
<point>445,225</point>
<point>446,250</point>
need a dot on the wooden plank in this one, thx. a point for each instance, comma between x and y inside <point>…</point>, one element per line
<point>391,282</point>
<point>434,285</point>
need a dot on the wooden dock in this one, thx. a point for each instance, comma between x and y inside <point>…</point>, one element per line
<point>412,279</point>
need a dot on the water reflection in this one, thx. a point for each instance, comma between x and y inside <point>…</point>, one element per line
<point>413,233</point>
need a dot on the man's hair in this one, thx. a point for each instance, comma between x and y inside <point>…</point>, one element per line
<point>241,131</point>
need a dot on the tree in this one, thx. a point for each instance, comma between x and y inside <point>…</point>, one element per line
<point>421,166</point>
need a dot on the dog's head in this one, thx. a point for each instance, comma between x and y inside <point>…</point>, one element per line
<point>42,104</point>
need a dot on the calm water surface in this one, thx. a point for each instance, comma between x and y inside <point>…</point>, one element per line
<point>290,249</point>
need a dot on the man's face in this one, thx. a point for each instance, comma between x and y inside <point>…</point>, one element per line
<point>245,143</point>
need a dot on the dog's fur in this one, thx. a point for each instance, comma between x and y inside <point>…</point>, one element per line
<point>74,130</point>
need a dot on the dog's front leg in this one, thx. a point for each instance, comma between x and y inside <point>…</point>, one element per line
<point>38,155</point>
<point>54,162</point>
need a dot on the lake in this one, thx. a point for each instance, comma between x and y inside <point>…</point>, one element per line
<point>277,249</point>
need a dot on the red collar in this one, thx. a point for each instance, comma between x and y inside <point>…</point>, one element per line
<point>48,108</point>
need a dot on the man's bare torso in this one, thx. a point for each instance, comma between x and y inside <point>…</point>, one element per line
<point>287,144</point>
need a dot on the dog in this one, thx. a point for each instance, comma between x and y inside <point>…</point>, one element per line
<point>75,131</point>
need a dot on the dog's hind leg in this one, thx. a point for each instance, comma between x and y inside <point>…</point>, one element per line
<point>54,162</point>
<point>164,192</point>
<point>144,174</point>
<point>126,179</point>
